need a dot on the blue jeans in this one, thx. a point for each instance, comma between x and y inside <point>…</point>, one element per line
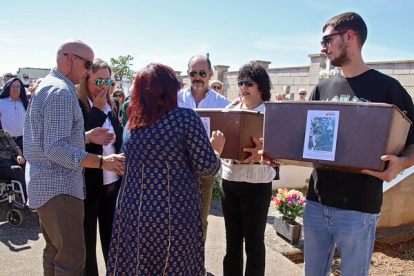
<point>352,231</point>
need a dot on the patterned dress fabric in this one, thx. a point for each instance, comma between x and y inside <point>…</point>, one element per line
<point>157,225</point>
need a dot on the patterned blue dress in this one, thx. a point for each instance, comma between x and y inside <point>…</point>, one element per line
<point>157,225</point>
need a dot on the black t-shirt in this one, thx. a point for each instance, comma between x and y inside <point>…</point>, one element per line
<point>350,191</point>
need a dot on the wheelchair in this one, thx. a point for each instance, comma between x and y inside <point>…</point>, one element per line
<point>11,191</point>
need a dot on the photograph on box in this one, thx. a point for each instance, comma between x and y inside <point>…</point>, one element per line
<point>321,135</point>
<point>206,123</point>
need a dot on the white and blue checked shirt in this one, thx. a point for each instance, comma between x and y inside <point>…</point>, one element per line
<point>54,141</point>
<point>12,116</point>
<point>212,100</point>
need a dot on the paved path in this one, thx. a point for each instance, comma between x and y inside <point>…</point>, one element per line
<point>21,247</point>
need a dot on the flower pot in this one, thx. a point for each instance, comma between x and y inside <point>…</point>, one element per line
<point>290,232</point>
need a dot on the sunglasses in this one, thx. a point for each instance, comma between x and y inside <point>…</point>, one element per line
<point>118,95</point>
<point>302,94</point>
<point>326,39</point>
<point>25,77</point>
<point>100,82</point>
<point>8,76</point>
<point>88,63</point>
<point>248,83</point>
<point>201,73</point>
<point>216,87</point>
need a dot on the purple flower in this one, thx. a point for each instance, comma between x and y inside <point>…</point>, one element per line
<point>290,203</point>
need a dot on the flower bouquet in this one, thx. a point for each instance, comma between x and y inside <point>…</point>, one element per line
<point>290,204</point>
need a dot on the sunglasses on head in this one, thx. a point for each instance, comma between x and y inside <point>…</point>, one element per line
<point>100,82</point>
<point>248,83</point>
<point>201,73</point>
<point>88,63</point>
<point>216,87</point>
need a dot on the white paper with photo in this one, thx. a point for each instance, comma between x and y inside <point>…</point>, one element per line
<point>206,123</point>
<point>321,135</point>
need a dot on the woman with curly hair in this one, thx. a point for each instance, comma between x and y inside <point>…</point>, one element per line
<point>247,186</point>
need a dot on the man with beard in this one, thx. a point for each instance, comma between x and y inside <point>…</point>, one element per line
<point>199,95</point>
<point>344,208</point>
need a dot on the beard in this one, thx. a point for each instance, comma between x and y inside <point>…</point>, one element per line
<point>343,58</point>
<point>198,88</point>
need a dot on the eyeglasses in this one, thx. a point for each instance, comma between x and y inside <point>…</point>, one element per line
<point>302,94</point>
<point>88,63</point>
<point>118,95</point>
<point>201,73</point>
<point>248,83</point>
<point>15,86</point>
<point>100,82</point>
<point>326,38</point>
<point>216,87</point>
<point>8,76</point>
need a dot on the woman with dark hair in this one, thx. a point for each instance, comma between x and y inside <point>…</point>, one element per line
<point>157,226</point>
<point>13,105</point>
<point>101,186</point>
<point>247,186</point>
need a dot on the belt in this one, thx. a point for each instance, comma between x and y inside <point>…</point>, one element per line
<point>16,137</point>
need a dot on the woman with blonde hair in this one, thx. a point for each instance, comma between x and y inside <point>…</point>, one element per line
<point>102,186</point>
<point>119,95</point>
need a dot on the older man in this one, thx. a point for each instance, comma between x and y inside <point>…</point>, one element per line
<point>199,95</point>
<point>54,140</point>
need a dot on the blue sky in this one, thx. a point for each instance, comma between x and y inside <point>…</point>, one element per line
<point>170,32</point>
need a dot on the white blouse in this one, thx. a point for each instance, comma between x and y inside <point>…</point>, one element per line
<point>233,170</point>
<point>108,177</point>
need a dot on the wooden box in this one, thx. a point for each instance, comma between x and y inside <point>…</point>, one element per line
<point>303,133</point>
<point>238,126</point>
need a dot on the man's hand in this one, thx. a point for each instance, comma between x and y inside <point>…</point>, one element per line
<point>20,160</point>
<point>395,166</point>
<point>99,136</point>
<point>255,155</point>
<point>114,163</point>
<point>268,162</point>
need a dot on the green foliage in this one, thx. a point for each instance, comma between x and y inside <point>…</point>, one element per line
<point>121,68</point>
<point>217,188</point>
<point>290,203</point>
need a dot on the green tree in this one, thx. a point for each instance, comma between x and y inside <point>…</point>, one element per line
<point>121,68</point>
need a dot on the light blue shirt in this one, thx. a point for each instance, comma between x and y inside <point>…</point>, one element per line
<point>212,100</point>
<point>12,116</point>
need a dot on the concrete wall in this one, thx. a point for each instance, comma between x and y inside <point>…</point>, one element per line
<point>398,205</point>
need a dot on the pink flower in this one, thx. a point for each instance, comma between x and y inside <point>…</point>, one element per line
<point>290,203</point>
<point>294,196</point>
<point>289,197</point>
<point>300,202</point>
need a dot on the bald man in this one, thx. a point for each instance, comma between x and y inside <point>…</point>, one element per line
<point>55,141</point>
<point>199,95</point>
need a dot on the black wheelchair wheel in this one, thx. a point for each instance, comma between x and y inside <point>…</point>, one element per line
<point>15,217</point>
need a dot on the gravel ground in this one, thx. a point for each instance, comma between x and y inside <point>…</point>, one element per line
<point>391,259</point>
